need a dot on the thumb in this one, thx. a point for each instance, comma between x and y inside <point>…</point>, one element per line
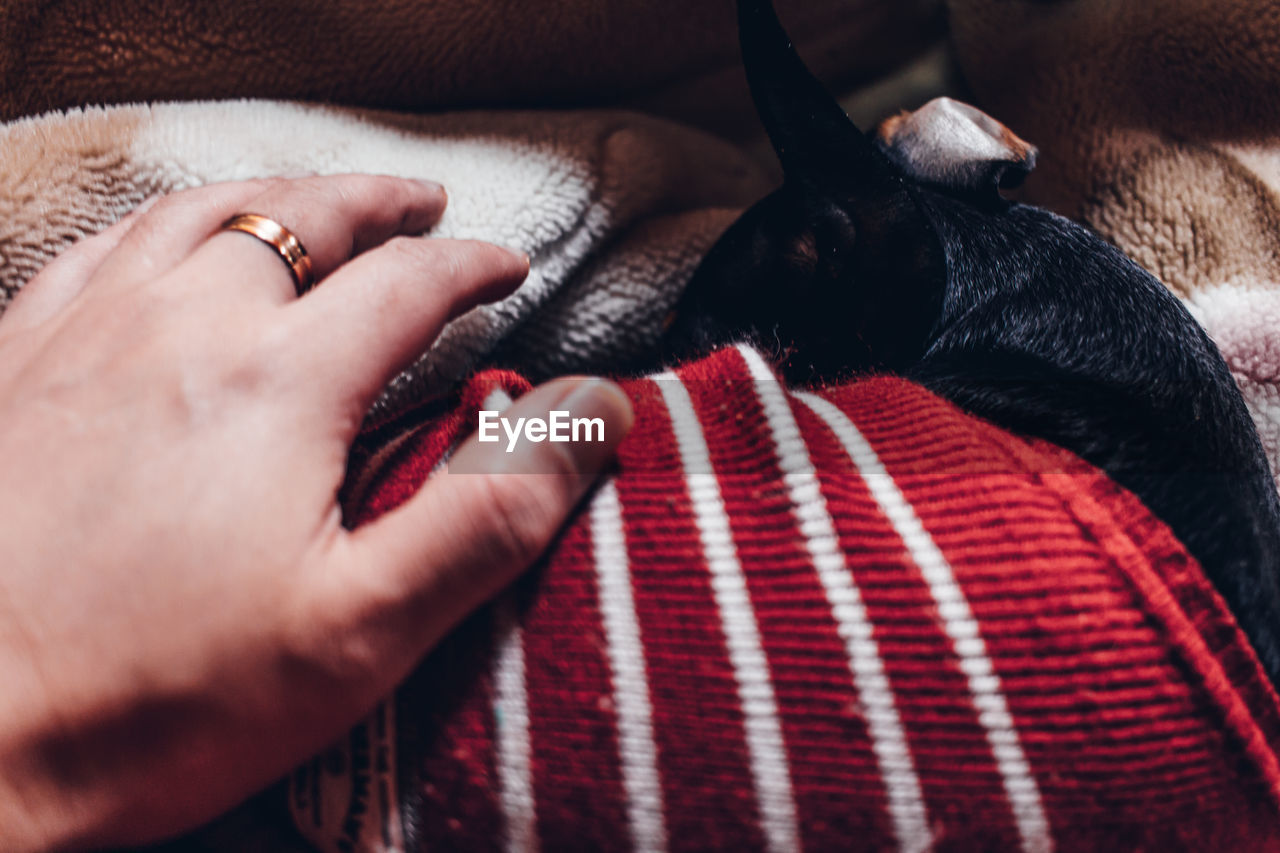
<point>407,578</point>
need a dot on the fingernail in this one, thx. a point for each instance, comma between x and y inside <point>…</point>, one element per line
<point>521,256</point>
<point>568,426</point>
<point>434,186</point>
<point>590,402</point>
<point>146,204</point>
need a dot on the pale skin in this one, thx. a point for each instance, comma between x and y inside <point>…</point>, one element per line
<point>183,616</point>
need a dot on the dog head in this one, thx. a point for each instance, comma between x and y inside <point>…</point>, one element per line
<point>899,254</point>
<point>841,269</point>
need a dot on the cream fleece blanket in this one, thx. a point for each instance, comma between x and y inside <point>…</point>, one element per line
<point>1158,125</point>
<point>615,209</point>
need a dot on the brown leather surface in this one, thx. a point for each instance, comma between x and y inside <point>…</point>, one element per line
<point>429,53</point>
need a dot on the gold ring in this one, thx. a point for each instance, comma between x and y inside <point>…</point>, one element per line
<point>282,240</point>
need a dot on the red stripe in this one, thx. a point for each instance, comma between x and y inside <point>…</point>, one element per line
<point>577,781</point>
<point>697,720</point>
<point>405,469</point>
<point>963,789</point>
<point>408,467</point>
<point>1050,614</point>
<point>445,732</point>
<point>837,783</point>
<point>445,748</point>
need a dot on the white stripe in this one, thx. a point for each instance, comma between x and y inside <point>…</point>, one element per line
<point>636,747</point>
<point>960,626</point>
<point>763,730</point>
<point>888,740</point>
<point>511,721</point>
<point>511,713</point>
<point>391,819</point>
<point>497,400</point>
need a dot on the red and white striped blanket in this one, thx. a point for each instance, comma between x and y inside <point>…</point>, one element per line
<point>850,619</point>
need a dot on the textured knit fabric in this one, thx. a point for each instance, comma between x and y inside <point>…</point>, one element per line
<point>615,209</point>
<point>855,619</point>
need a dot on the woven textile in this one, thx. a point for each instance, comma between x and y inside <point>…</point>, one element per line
<point>615,209</point>
<point>842,620</point>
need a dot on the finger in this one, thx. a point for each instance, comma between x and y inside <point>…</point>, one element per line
<point>174,227</point>
<point>400,583</point>
<point>67,274</point>
<point>383,309</point>
<point>334,217</point>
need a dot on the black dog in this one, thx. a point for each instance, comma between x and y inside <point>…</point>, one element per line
<point>870,259</point>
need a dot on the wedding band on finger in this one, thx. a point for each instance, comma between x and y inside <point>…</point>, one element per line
<point>282,240</point>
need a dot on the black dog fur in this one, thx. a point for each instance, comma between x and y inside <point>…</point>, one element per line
<point>1014,314</point>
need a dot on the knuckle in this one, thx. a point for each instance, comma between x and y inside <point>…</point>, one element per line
<point>463,266</point>
<point>413,251</point>
<point>196,198</point>
<point>167,206</point>
<point>303,194</point>
<point>342,653</point>
<point>252,188</point>
<point>253,373</point>
<point>368,192</point>
<point>452,268</point>
<point>170,216</point>
<point>209,372</point>
<point>454,263</point>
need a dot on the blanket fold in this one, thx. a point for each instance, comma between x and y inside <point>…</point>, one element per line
<point>615,209</point>
<point>848,619</point>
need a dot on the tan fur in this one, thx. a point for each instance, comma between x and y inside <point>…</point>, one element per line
<point>60,182</point>
<point>1109,91</point>
<point>1193,216</point>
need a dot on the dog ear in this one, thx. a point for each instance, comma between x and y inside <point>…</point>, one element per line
<point>957,146</point>
<point>815,141</point>
<point>841,269</point>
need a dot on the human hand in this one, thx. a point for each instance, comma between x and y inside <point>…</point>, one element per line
<point>182,615</point>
